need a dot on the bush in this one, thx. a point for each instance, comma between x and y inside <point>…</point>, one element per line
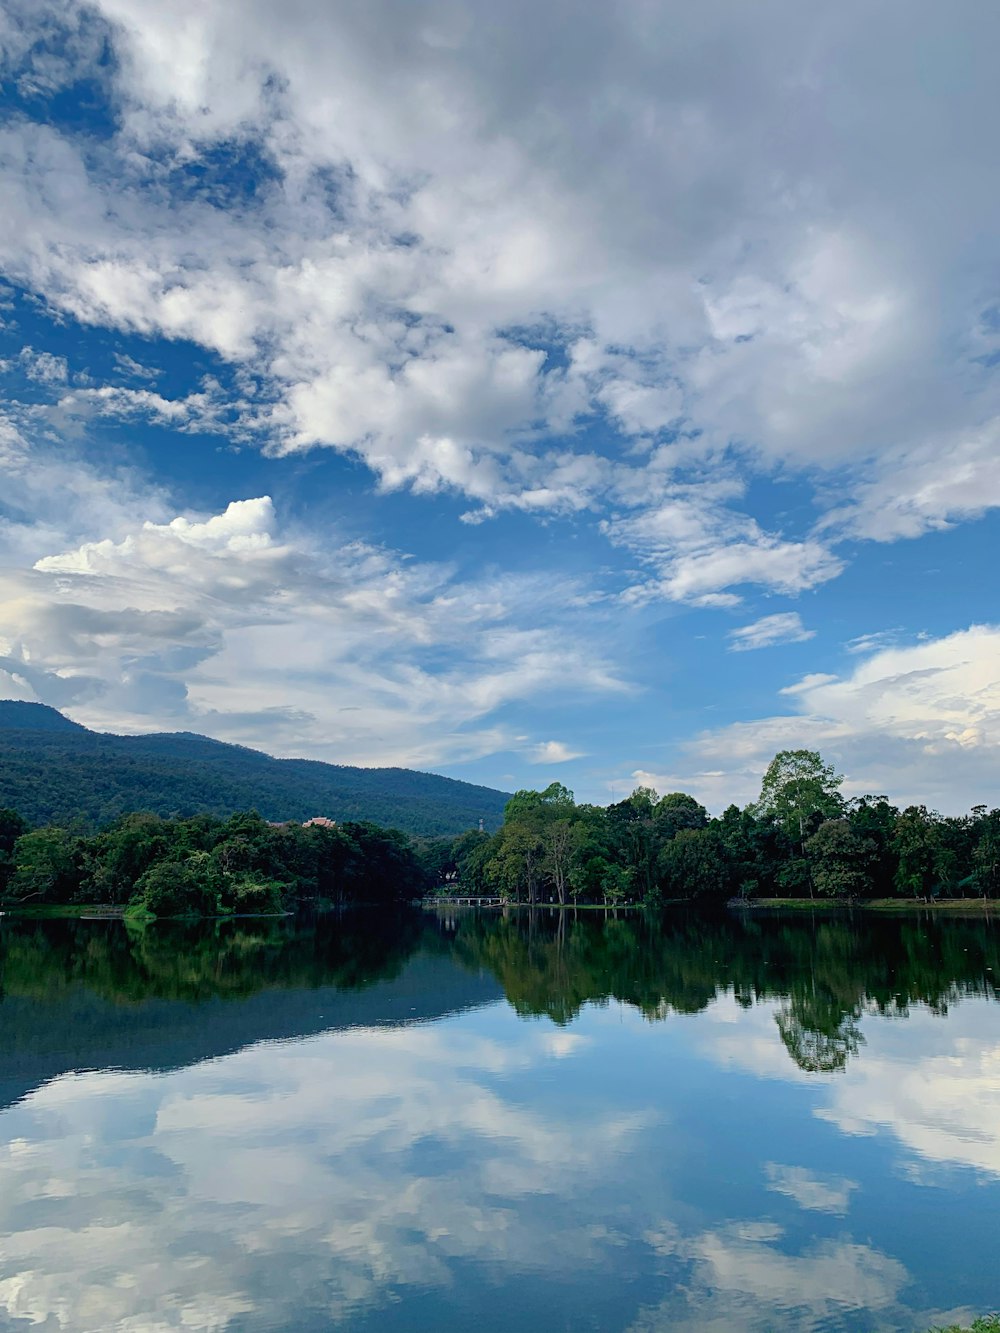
<point>252,895</point>
<point>176,888</point>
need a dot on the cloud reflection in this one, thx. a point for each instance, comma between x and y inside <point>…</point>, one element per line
<point>323,1174</point>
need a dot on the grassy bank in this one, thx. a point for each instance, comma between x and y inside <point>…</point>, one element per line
<point>902,906</point>
<point>63,912</point>
<point>135,915</point>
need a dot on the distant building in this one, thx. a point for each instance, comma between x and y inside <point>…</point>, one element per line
<point>320,821</point>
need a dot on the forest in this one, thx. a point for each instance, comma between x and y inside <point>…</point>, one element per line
<point>801,839</point>
<point>54,771</point>
<point>205,866</point>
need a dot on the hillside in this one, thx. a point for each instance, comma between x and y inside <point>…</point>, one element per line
<point>52,770</point>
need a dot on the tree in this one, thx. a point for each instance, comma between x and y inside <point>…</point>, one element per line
<point>677,811</point>
<point>527,805</point>
<point>122,855</point>
<point>179,888</point>
<point>694,863</point>
<point>11,828</point>
<point>557,851</point>
<point>840,859</point>
<point>45,867</point>
<point>799,791</point>
<point>873,818</point>
<point>986,855</point>
<point>516,861</point>
<point>633,827</point>
<point>915,844</point>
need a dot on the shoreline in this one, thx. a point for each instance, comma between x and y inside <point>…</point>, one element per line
<point>904,906</point>
<point>975,907</point>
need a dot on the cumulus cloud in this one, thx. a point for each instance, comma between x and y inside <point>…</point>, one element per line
<point>698,547</point>
<point>919,722</point>
<point>784,627</point>
<point>224,624</point>
<point>709,228</point>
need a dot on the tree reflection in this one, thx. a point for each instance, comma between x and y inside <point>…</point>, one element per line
<point>825,973</point>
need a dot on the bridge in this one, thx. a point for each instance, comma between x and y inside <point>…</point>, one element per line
<point>464,901</point>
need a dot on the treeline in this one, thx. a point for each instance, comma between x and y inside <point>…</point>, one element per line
<point>800,839</point>
<point>207,867</point>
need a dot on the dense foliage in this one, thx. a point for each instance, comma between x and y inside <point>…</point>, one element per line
<point>801,839</point>
<point>206,867</point>
<point>54,772</point>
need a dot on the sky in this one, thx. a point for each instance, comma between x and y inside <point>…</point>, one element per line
<point>602,394</point>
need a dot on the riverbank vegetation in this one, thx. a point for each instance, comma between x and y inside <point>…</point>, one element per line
<point>153,867</point>
<point>801,839</point>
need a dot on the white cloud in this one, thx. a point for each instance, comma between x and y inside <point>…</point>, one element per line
<point>553,752</point>
<point>44,367</point>
<point>224,625</point>
<point>784,627</point>
<point>919,722</point>
<point>717,216</point>
<point>698,548</point>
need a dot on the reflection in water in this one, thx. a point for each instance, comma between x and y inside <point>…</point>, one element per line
<point>341,1125</point>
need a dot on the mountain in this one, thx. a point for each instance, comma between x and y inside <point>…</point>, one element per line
<point>52,770</point>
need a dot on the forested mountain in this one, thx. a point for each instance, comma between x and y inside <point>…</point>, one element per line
<point>54,771</point>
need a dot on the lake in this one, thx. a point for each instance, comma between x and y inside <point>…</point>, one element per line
<point>500,1124</point>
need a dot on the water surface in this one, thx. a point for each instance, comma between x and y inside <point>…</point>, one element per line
<point>522,1123</point>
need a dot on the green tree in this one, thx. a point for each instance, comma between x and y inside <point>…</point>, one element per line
<point>840,859</point>
<point>179,888</point>
<point>119,857</point>
<point>916,845</point>
<point>633,828</point>
<point>874,818</point>
<point>516,861</point>
<point>557,855</point>
<point>694,864</point>
<point>798,792</point>
<point>12,826</point>
<point>678,811</point>
<point>986,854</point>
<point>46,867</point>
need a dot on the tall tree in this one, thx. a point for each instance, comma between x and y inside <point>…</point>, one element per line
<point>799,791</point>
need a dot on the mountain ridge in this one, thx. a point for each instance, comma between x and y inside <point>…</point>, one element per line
<point>54,770</point>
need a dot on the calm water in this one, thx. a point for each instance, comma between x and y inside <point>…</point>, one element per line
<point>487,1124</point>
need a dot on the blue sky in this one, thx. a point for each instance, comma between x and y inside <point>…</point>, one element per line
<point>603,395</point>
